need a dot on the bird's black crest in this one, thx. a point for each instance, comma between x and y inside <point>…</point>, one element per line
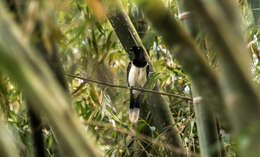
<point>139,59</point>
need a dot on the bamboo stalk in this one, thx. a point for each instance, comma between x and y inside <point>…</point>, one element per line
<point>7,141</point>
<point>155,104</point>
<point>241,99</point>
<point>255,7</point>
<point>39,85</point>
<point>206,119</point>
<point>203,79</point>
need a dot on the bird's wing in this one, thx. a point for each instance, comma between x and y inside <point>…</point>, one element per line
<point>128,70</point>
<point>147,71</point>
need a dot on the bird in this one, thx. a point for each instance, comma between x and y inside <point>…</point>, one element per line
<point>137,76</point>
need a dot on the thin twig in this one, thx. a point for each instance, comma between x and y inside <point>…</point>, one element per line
<point>78,88</point>
<point>142,137</point>
<point>126,87</point>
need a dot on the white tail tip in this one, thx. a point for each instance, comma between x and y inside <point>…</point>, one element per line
<point>134,115</point>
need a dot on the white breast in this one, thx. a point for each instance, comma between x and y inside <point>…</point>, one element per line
<point>137,77</point>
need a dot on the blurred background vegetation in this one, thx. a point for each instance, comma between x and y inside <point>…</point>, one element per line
<point>87,46</point>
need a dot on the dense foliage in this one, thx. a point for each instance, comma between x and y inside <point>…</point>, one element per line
<point>88,47</point>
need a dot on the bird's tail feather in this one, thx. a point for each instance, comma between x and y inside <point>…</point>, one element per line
<point>134,114</point>
<point>134,109</point>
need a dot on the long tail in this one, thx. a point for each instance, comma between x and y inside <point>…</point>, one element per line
<point>134,108</point>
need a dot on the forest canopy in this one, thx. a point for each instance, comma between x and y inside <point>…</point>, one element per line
<point>141,78</point>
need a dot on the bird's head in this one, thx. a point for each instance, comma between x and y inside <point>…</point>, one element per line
<point>137,52</point>
<point>138,55</point>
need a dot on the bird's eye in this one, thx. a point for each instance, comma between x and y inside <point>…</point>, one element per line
<point>133,48</point>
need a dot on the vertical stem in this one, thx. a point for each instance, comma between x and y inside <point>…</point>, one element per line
<point>203,79</point>
<point>242,101</point>
<point>255,6</point>
<point>205,119</point>
<point>35,120</point>
<point>36,126</point>
<point>152,103</point>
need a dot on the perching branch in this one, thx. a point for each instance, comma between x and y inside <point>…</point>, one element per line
<point>126,87</point>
